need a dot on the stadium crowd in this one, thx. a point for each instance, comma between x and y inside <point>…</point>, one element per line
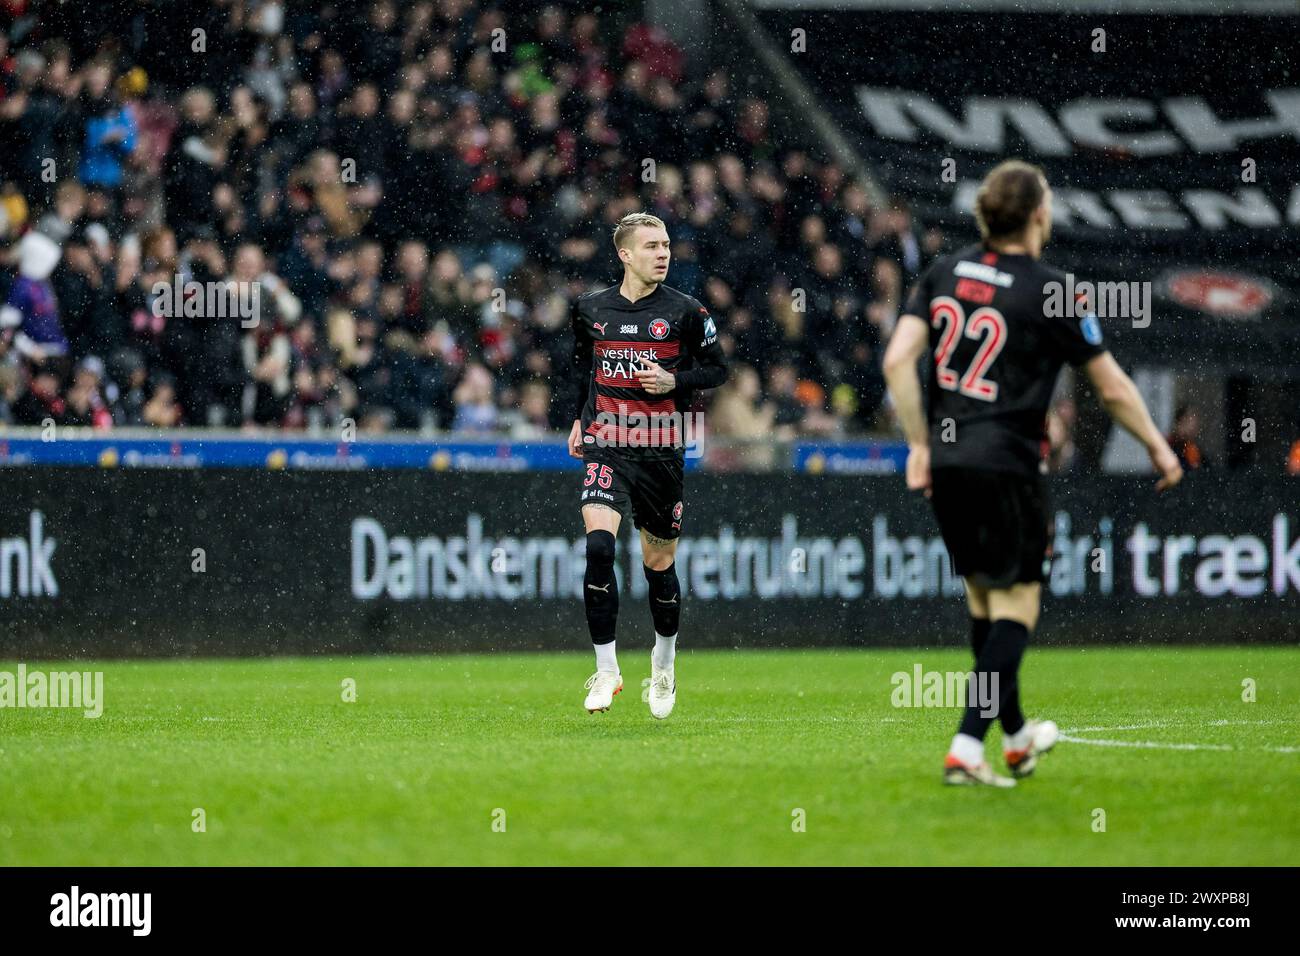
<point>419,190</point>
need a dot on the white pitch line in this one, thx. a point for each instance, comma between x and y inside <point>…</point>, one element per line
<point>1143,743</point>
<point>1097,730</point>
<point>1069,735</point>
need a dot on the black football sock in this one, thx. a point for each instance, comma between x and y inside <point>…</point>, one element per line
<point>665,599</point>
<point>600,587</point>
<point>1000,656</point>
<point>1010,716</point>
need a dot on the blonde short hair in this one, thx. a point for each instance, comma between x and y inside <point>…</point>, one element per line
<point>628,225</point>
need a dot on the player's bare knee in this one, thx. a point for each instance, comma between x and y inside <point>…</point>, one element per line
<point>1020,602</point>
<point>977,599</point>
<point>658,562</point>
<point>601,518</point>
<point>657,553</point>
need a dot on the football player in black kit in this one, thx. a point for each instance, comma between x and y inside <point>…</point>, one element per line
<point>640,350</point>
<point>991,318</point>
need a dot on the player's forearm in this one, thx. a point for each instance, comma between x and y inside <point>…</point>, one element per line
<point>905,392</point>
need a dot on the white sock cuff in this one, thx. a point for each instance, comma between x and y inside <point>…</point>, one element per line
<point>606,658</point>
<point>665,650</point>
<point>967,749</point>
<point>1019,739</point>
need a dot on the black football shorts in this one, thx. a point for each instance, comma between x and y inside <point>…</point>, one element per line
<point>994,524</point>
<point>647,490</point>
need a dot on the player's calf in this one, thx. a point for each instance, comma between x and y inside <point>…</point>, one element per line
<point>600,599</point>
<point>665,595</point>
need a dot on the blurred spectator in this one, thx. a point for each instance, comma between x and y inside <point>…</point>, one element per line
<point>41,403</point>
<point>69,204</point>
<point>532,418</point>
<point>161,410</point>
<point>110,130</point>
<point>1185,437</point>
<point>85,405</point>
<point>9,391</point>
<point>193,165</point>
<point>475,410</point>
<point>32,309</point>
<point>738,412</point>
<point>126,388</point>
<point>782,381</point>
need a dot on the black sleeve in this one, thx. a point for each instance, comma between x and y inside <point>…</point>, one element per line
<point>1076,338</point>
<point>700,335</point>
<point>918,300</point>
<point>581,360</point>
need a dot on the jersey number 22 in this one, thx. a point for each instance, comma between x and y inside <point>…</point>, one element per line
<point>985,324</point>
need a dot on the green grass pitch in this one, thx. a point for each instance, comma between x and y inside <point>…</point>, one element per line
<point>421,765</point>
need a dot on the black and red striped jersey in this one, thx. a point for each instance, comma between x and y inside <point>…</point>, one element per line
<point>1000,330</point>
<point>611,337</point>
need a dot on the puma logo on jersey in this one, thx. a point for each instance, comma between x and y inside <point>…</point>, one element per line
<point>599,326</point>
<point>603,587</point>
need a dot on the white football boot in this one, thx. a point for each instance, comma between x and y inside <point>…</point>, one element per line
<point>1043,735</point>
<point>661,690</point>
<point>959,774</point>
<point>601,687</point>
